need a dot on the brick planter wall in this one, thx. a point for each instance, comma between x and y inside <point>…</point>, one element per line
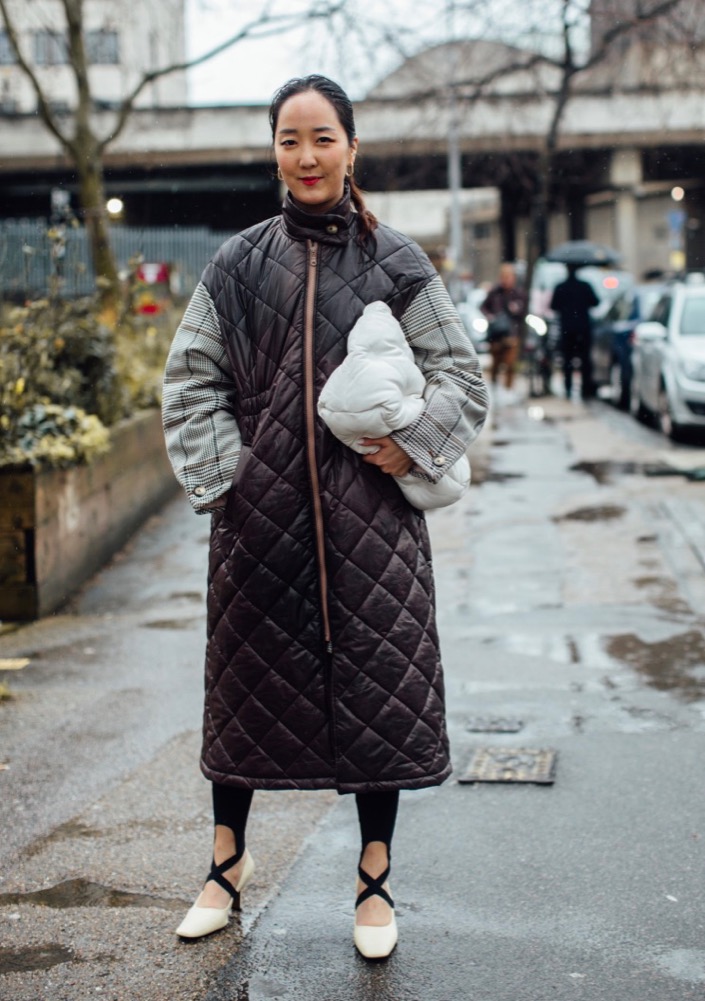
<point>58,527</point>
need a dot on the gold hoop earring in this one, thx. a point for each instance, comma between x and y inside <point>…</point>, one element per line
<point>279,174</point>
<point>351,170</point>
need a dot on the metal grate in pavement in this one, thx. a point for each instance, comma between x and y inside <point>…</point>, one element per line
<point>511,764</point>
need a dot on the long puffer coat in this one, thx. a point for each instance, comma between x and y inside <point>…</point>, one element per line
<point>322,664</point>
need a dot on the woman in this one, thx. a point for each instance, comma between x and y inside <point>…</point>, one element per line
<point>322,662</point>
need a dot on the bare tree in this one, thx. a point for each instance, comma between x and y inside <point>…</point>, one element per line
<point>550,47</point>
<point>623,25</point>
<point>78,134</point>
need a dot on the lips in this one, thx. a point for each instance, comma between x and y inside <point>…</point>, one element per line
<point>310,181</point>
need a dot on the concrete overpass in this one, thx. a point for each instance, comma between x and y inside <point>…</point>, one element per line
<point>626,137</point>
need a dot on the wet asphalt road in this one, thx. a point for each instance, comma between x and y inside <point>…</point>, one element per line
<point>570,592</point>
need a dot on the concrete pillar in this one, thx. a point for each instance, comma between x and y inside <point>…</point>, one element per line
<point>625,177</point>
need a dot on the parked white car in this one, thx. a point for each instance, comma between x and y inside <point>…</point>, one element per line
<point>668,360</point>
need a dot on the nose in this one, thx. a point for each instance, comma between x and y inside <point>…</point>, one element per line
<point>307,156</point>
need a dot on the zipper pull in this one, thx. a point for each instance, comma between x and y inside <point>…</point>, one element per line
<point>313,253</point>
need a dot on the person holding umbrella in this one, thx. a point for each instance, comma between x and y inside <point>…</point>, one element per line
<point>572,300</point>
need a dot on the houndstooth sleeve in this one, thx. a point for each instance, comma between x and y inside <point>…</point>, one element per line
<point>456,395</point>
<point>202,437</point>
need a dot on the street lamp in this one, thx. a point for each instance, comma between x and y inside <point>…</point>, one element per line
<point>115,207</point>
<point>676,227</point>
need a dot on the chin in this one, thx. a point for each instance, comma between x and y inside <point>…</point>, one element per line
<point>314,202</point>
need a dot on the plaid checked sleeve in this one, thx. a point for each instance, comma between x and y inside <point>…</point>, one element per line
<point>456,395</point>
<point>202,437</point>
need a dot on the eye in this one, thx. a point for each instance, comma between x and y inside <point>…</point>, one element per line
<point>325,139</point>
<point>288,142</point>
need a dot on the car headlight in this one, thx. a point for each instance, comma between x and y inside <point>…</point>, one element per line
<point>479,324</point>
<point>693,369</point>
<point>537,324</point>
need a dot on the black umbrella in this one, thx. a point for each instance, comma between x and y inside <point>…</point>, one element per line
<point>582,253</point>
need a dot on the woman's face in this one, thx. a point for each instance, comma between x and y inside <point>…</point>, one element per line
<point>312,150</point>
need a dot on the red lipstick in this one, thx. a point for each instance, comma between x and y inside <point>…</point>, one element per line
<point>310,181</point>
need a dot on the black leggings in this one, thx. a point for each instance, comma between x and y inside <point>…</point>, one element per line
<point>376,811</point>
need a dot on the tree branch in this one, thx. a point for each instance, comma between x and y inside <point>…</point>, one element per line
<point>73,9</point>
<point>271,24</point>
<point>43,109</point>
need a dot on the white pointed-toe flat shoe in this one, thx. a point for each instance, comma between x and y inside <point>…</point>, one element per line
<point>375,941</point>
<point>200,921</point>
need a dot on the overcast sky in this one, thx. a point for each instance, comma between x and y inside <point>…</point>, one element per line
<point>358,53</point>
<point>253,70</point>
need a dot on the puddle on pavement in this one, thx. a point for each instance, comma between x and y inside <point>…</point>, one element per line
<point>675,665</point>
<point>34,957</point>
<point>606,471</point>
<point>558,649</point>
<point>83,893</point>
<point>600,512</point>
<point>72,829</point>
<point>663,593</point>
<point>494,477</point>
<point>185,596</point>
<point>171,624</point>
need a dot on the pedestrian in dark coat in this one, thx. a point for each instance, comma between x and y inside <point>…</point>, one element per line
<point>322,663</point>
<point>572,300</point>
<point>505,307</point>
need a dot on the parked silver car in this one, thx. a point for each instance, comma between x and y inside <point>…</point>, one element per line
<point>668,360</point>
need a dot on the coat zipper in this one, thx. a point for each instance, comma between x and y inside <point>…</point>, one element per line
<point>310,304</point>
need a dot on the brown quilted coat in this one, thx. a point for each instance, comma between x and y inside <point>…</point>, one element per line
<point>322,664</point>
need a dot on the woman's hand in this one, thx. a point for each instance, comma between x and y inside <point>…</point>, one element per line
<point>390,457</point>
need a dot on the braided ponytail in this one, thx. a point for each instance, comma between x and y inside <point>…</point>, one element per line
<point>368,221</point>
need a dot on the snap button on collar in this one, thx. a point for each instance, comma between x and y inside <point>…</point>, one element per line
<point>332,228</point>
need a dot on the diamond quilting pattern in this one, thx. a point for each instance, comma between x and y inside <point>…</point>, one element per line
<point>281,712</point>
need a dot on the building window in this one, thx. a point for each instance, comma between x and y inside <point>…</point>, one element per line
<point>102,48</point>
<point>7,56</point>
<point>50,48</point>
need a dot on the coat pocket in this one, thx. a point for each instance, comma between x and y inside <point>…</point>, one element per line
<point>230,510</point>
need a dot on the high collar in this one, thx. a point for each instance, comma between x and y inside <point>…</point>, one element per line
<point>327,227</point>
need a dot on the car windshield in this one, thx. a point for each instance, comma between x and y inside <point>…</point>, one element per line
<point>693,317</point>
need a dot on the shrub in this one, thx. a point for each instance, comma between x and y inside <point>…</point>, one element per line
<point>65,377</point>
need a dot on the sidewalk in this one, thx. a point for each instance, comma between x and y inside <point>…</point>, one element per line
<point>561,603</point>
<point>590,888</point>
<point>105,817</point>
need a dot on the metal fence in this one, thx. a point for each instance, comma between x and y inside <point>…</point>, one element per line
<point>30,258</point>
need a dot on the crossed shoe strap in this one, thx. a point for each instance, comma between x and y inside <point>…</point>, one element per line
<point>216,874</point>
<point>373,887</point>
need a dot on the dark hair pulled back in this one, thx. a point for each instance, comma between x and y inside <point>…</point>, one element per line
<point>336,96</point>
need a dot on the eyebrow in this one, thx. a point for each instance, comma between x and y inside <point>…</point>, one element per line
<point>318,128</point>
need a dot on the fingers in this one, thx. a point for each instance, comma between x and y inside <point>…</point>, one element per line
<point>390,457</point>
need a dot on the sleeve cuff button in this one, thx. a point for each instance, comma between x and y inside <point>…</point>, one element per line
<point>439,460</point>
<point>199,491</point>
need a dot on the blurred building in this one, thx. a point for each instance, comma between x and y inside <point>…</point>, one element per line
<point>684,23</point>
<point>627,167</point>
<point>123,40</point>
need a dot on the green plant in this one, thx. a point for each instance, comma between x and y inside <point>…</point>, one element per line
<point>65,377</point>
<point>48,434</point>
